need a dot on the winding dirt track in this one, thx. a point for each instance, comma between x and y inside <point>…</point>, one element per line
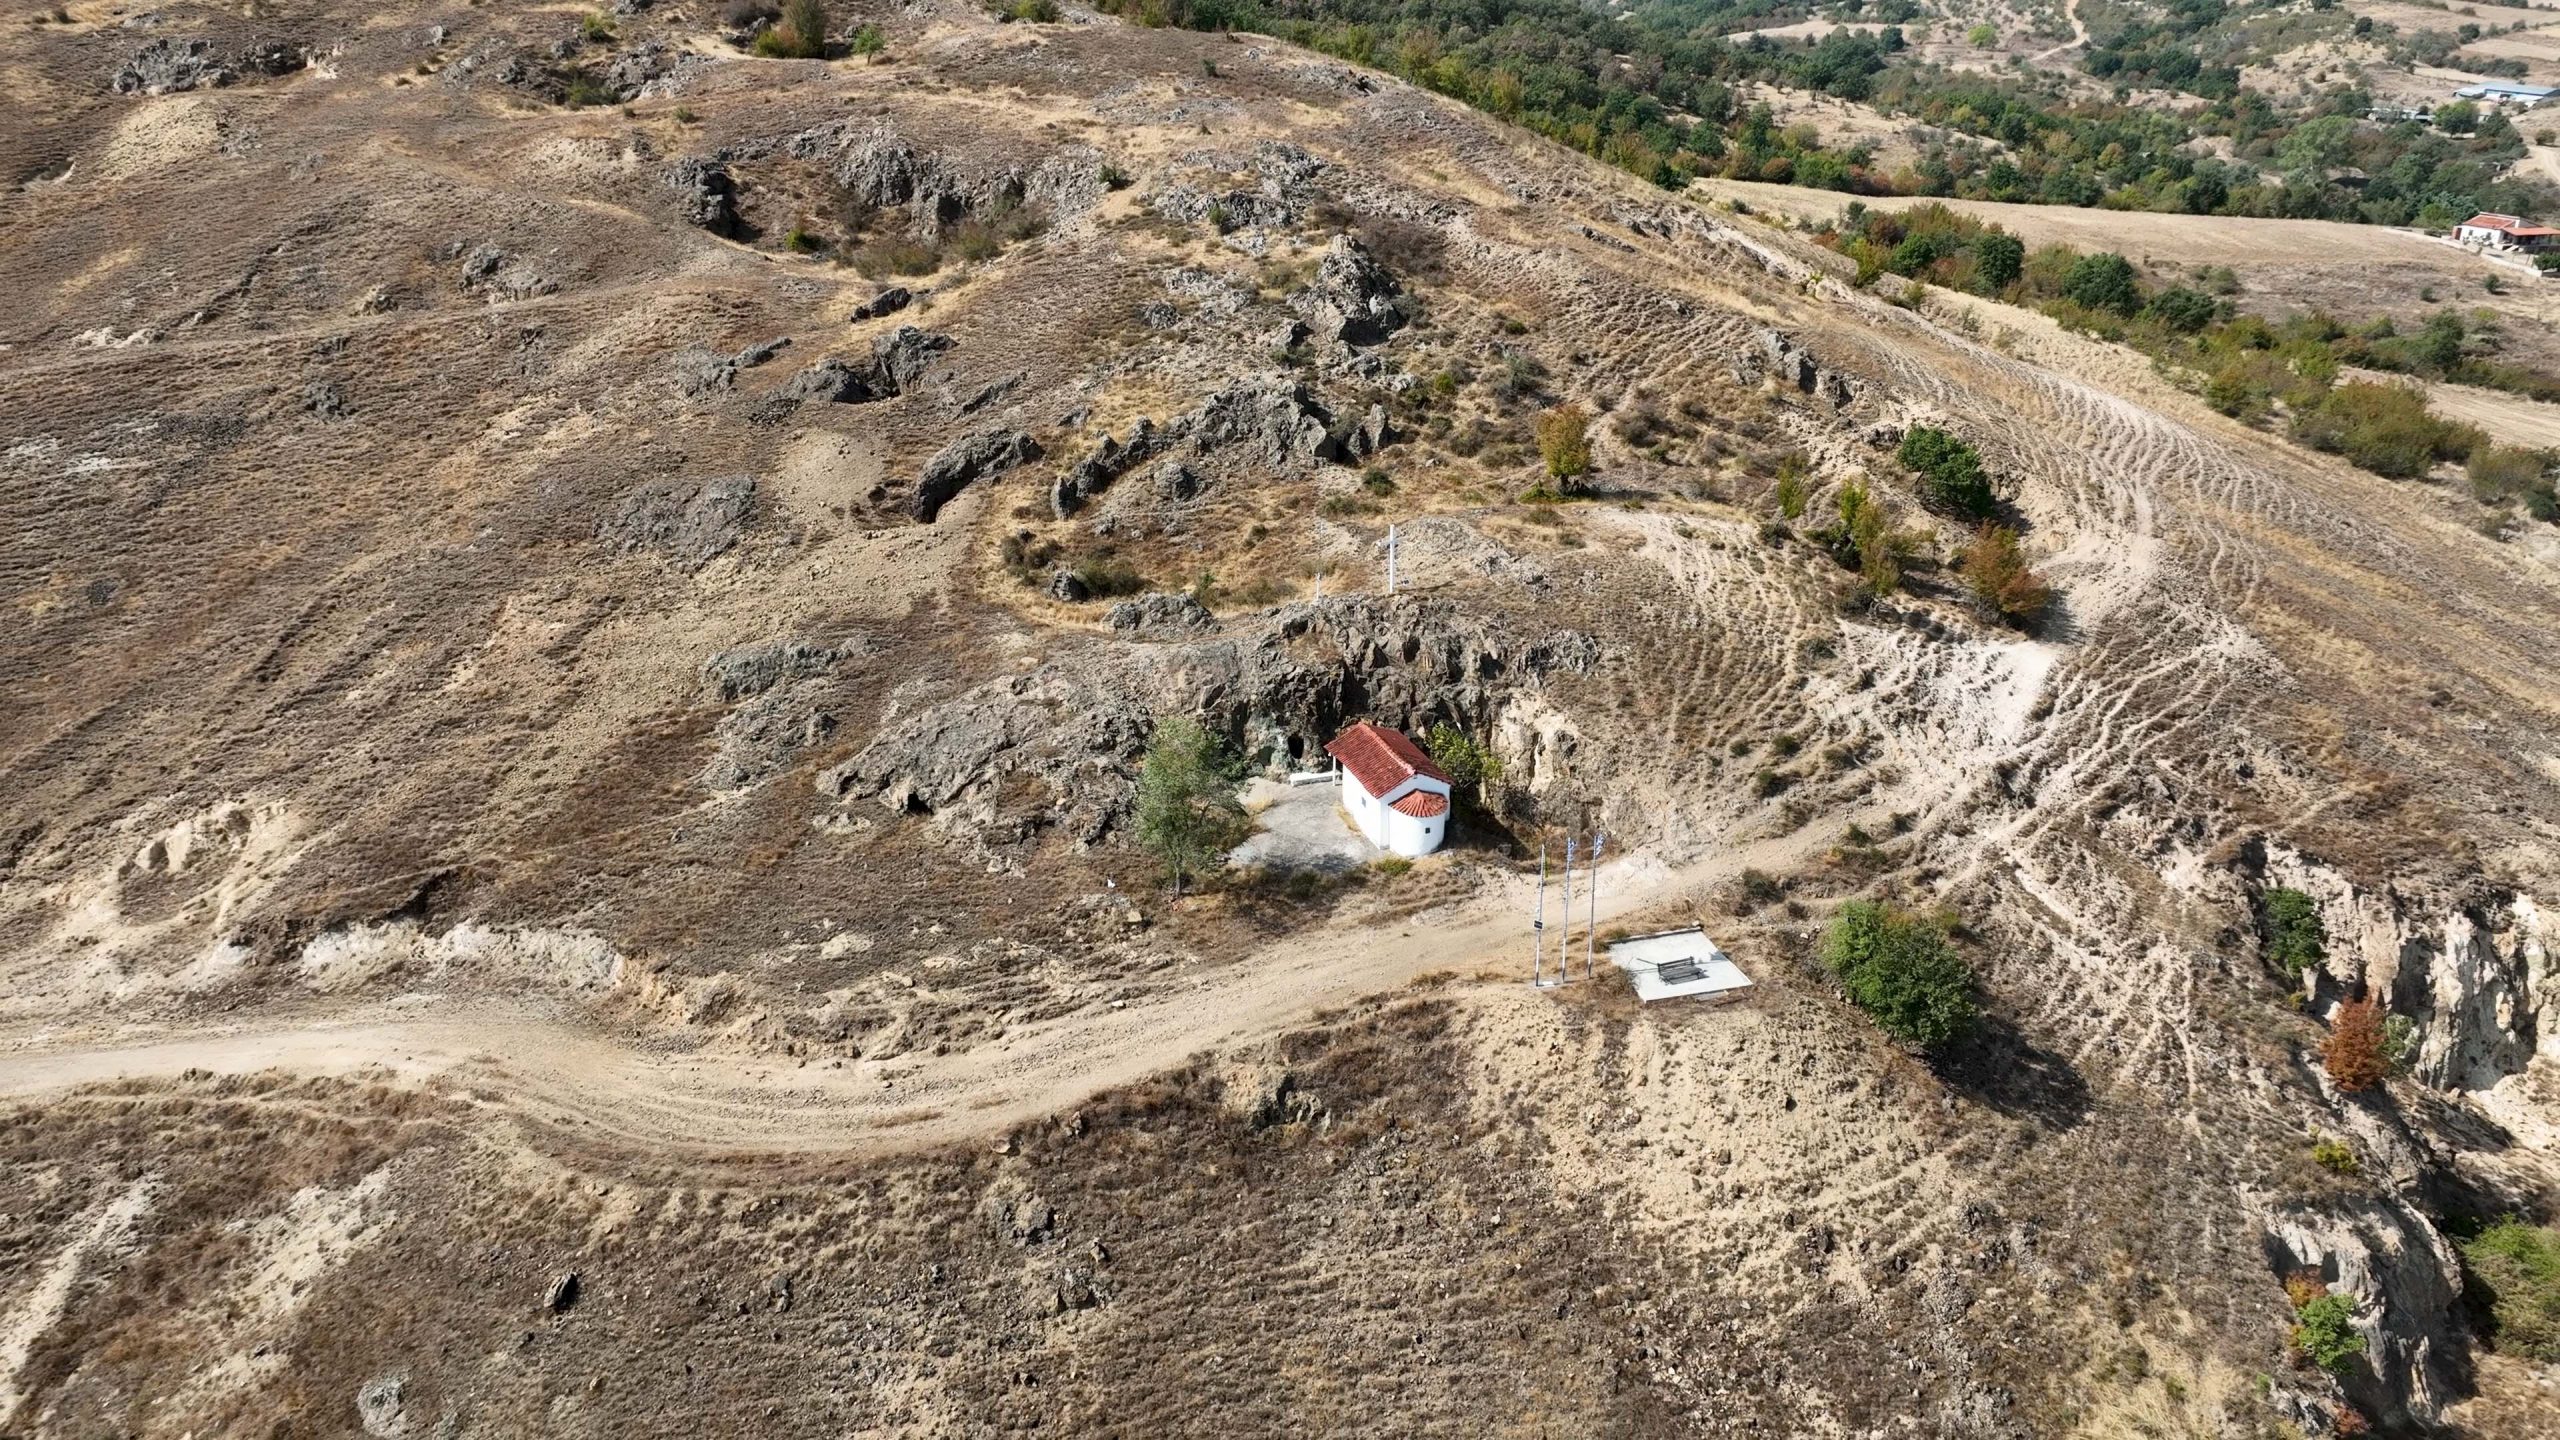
<point>557,1071</point>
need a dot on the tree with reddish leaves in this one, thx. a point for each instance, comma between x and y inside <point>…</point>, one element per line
<point>2354,1054</point>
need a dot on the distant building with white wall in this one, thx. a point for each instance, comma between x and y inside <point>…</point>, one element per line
<point>1397,797</point>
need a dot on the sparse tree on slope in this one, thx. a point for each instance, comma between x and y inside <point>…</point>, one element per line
<point>1188,816</point>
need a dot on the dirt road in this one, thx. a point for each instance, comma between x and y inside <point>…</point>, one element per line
<point>556,1071</point>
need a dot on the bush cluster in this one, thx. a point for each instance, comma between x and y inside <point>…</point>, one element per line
<point>1950,470</point>
<point>2514,1268</point>
<point>1901,970</point>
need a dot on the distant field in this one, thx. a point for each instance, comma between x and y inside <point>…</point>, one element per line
<point>2162,239</point>
<point>2354,272</point>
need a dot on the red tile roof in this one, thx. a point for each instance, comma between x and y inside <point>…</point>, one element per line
<point>1380,759</point>
<point>2491,220</point>
<point>1421,804</point>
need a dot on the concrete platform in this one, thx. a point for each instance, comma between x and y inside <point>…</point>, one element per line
<point>1675,964</point>
<point>1301,827</point>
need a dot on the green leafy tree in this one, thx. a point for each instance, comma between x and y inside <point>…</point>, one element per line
<point>1188,816</point>
<point>1951,469</point>
<point>2324,1331</point>
<point>868,42</point>
<point>1903,972</point>
<point>1998,259</point>
<point>2296,940</point>
<point>1472,766</point>
<point>2104,281</point>
<point>1564,439</point>
<point>1790,495</point>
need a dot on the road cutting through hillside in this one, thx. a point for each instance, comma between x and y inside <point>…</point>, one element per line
<point>558,1072</point>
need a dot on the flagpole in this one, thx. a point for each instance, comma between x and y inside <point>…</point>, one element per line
<point>1538,926</point>
<point>1591,936</point>
<point>1564,942</point>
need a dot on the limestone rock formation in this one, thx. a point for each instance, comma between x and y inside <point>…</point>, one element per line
<point>691,522</point>
<point>987,452</point>
<point>1353,299</point>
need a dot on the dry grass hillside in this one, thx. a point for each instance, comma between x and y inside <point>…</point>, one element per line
<point>584,609</point>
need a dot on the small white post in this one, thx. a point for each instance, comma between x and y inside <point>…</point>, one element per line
<point>1564,942</point>
<point>1538,926</point>
<point>1391,559</point>
<point>1591,936</point>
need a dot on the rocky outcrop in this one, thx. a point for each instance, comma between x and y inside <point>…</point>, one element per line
<point>778,693</point>
<point>1368,437</point>
<point>167,66</point>
<point>751,670</point>
<point>2475,967</point>
<point>1059,747</point>
<point>900,357</point>
<point>700,372</point>
<point>1272,417</point>
<point>956,465</point>
<point>707,196</point>
<point>1107,462</point>
<point>1777,356</point>
<point>887,302</point>
<point>1282,189</point>
<point>1161,617</point>
<point>1353,298</point>
<point>691,522</point>
<point>898,360</point>
<point>2405,1281</point>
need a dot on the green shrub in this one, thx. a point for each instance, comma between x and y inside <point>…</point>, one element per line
<point>1951,471</point>
<point>2296,940</point>
<point>1106,578</point>
<point>2324,1332</point>
<point>597,29</point>
<point>896,255</point>
<point>1791,487</point>
<point>2399,1044</point>
<point>1471,765</point>
<point>1998,259</point>
<point>1903,972</point>
<point>2183,310</point>
<point>1997,573</point>
<point>1188,816</point>
<point>801,240</point>
<point>2386,429</point>
<point>2335,1156</point>
<point>801,35</point>
<point>2104,281</point>
<point>2501,472</point>
<point>1564,441</point>
<point>2515,1270</point>
<point>586,90</point>
<point>868,42</point>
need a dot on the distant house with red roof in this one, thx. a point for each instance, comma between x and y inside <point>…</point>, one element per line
<point>2505,232</point>
<point>1397,797</point>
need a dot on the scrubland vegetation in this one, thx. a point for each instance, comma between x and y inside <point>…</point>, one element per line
<point>2289,371</point>
<point>1656,90</point>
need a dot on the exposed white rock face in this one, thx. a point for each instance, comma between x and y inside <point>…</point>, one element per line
<point>2475,970</point>
<point>2405,1281</point>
